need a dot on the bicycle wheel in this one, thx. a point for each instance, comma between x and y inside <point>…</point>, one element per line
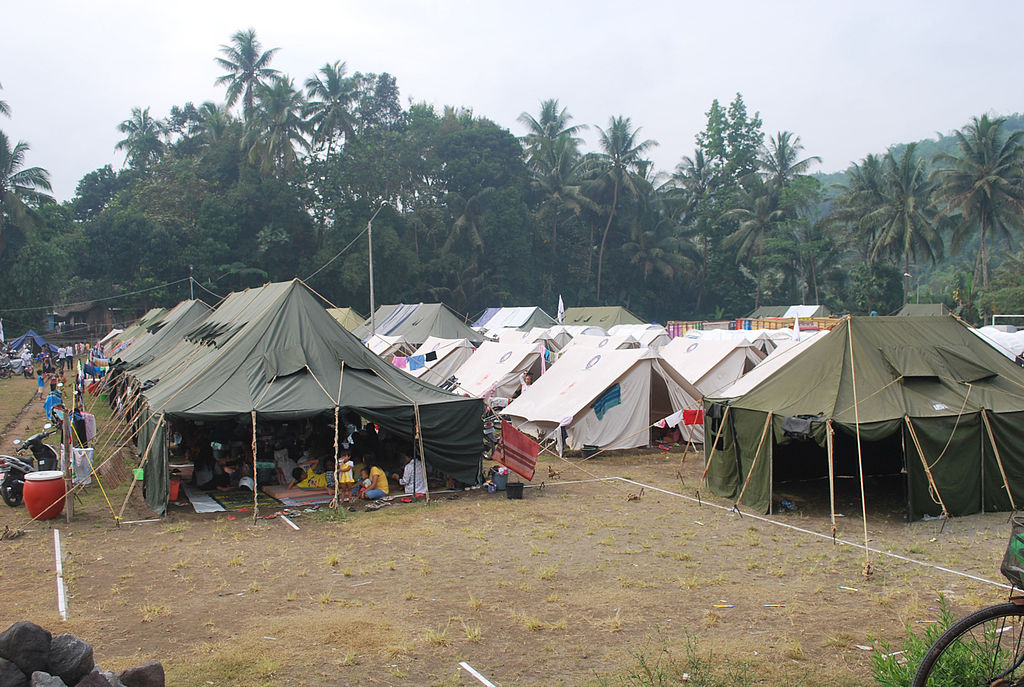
<point>982,649</point>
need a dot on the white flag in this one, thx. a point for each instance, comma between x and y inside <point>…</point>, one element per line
<point>796,329</point>
<point>2,331</point>
<point>672,420</point>
<point>561,309</point>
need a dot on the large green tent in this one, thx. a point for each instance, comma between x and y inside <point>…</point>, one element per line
<point>161,336</point>
<point>932,400</point>
<point>603,316</point>
<point>274,351</point>
<point>150,318</point>
<point>347,317</point>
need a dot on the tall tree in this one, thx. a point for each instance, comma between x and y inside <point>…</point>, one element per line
<point>621,162</point>
<point>142,142</point>
<point>330,95</point>
<point>247,66</point>
<point>551,124</point>
<point>905,219</point>
<point>779,160</point>
<point>983,184</point>
<point>22,190</point>
<point>4,107</point>
<point>757,214</point>
<point>277,129</point>
<point>857,200</point>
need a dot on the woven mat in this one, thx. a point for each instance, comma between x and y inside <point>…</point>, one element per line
<point>241,500</point>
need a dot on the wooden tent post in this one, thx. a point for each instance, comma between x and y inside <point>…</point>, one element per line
<point>999,461</point>
<point>423,456</point>
<point>860,455</point>
<point>142,464</point>
<point>255,484</point>
<point>334,501</point>
<point>830,447</point>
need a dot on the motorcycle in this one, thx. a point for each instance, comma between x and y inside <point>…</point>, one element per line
<point>14,468</point>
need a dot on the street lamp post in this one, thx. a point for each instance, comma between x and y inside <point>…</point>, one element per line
<point>906,287</point>
<point>369,236</point>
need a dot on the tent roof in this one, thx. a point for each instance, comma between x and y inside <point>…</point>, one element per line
<point>602,342</point>
<point>163,335</point>
<point>605,317</point>
<point>493,363</point>
<point>31,335</point>
<point>443,348</point>
<point>907,366</point>
<point>388,345</point>
<point>768,311</point>
<point>923,310</point>
<point>696,359</point>
<point>347,317</point>
<point>140,326</point>
<point>417,322</point>
<point>524,318</point>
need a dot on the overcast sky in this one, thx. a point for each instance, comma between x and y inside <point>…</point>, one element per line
<point>849,78</point>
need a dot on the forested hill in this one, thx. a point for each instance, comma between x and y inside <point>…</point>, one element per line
<point>282,178</point>
<point>927,148</point>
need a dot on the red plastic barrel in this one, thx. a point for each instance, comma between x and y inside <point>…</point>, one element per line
<point>44,494</point>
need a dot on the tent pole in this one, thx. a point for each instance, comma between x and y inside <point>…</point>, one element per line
<point>860,455</point>
<point>830,447</point>
<point>142,464</point>
<point>714,445</point>
<point>255,485</point>
<point>423,456</point>
<point>334,502</point>
<point>927,469</point>
<point>999,460</point>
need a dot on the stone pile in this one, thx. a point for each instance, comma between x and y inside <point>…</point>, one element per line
<point>31,657</point>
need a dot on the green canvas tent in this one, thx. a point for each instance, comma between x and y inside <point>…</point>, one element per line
<point>418,322</point>
<point>274,351</point>
<point>605,317</point>
<point>932,399</point>
<point>119,342</point>
<point>347,317</point>
<point>922,309</point>
<point>163,335</point>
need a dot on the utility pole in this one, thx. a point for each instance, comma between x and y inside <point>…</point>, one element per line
<point>191,296</point>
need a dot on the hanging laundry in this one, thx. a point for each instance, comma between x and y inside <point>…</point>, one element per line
<point>430,357</point>
<point>606,401</point>
<point>693,417</point>
<point>671,421</point>
<point>400,361</point>
<point>416,362</point>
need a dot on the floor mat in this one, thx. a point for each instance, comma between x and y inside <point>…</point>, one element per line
<point>241,499</point>
<point>299,497</point>
<point>201,501</point>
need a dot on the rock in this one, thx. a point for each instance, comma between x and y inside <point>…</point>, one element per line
<point>11,675</point>
<point>112,679</point>
<point>149,674</point>
<point>41,679</point>
<point>93,679</point>
<point>27,646</point>
<point>70,658</point>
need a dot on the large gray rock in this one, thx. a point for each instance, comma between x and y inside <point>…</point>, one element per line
<point>70,658</point>
<point>93,679</point>
<point>27,646</point>
<point>112,679</point>
<point>41,679</point>
<point>11,675</point>
<point>149,674</point>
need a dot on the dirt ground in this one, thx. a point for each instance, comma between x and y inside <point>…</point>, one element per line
<point>567,585</point>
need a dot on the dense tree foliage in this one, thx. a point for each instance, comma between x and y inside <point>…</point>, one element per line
<point>466,212</point>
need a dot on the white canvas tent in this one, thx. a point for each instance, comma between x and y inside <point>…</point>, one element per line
<point>647,335</point>
<point>451,354</point>
<point>387,347</point>
<point>1010,344</point>
<point>494,369</point>
<point>760,338</point>
<point>562,334</point>
<point>607,399</point>
<point>767,367</point>
<point>609,343</point>
<point>711,365</point>
<point>517,318</point>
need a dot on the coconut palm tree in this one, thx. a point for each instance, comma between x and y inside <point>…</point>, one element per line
<point>277,130</point>
<point>469,220</point>
<point>779,159</point>
<point>757,215</point>
<point>864,192</point>
<point>328,112</point>
<point>22,190</point>
<point>215,121</point>
<point>247,67</point>
<point>620,162</point>
<point>4,107</point>
<point>983,185</point>
<point>904,219</point>
<point>552,124</point>
<point>557,174</point>
<point>142,143</point>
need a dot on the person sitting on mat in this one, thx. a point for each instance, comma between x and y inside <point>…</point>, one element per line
<point>414,477</point>
<point>378,487</point>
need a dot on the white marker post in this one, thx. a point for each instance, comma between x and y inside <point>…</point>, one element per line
<point>62,603</point>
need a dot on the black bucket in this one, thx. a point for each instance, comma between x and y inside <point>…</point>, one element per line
<point>589,451</point>
<point>514,490</point>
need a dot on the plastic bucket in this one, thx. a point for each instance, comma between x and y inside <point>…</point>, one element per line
<point>500,481</point>
<point>44,494</point>
<point>514,490</point>
<point>139,473</point>
<point>173,487</point>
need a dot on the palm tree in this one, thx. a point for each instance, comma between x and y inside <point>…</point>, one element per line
<point>247,68</point>
<point>557,174</point>
<point>778,161</point>
<point>856,201</point>
<point>142,142</point>
<point>469,220</point>
<point>4,107</point>
<point>215,121</point>
<point>905,221</point>
<point>328,112</point>
<point>690,194</point>
<point>552,124</point>
<point>21,190</point>
<point>620,162</point>
<point>277,128</point>
<point>758,213</point>
<point>984,185</point>
<point>655,247</point>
